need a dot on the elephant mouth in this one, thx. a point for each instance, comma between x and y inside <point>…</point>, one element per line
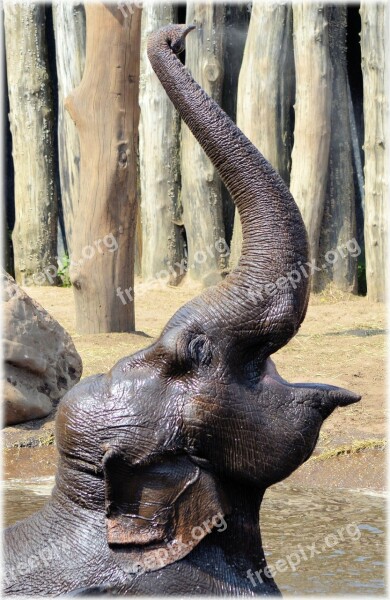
<point>326,398</point>
<point>270,375</point>
<point>322,397</point>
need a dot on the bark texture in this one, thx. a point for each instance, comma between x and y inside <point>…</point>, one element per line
<point>32,125</point>
<point>237,18</point>
<point>338,229</point>
<point>266,92</point>
<point>159,133</point>
<point>105,110</point>
<point>201,185</point>
<point>310,154</point>
<point>375,52</point>
<point>69,30</point>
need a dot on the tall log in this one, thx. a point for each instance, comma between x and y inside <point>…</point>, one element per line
<point>9,187</point>
<point>105,110</point>
<point>338,228</point>
<point>375,52</point>
<point>32,126</point>
<point>69,30</point>
<point>159,147</point>
<point>138,229</point>
<point>237,17</point>
<point>266,92</point>
<point>201,185</point>
<point>355,93</point>
<point>310,154</point>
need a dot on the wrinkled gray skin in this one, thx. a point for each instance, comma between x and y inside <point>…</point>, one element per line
<point>197,425</point>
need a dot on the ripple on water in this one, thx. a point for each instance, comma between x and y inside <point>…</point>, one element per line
<point>24,497</point>
<point>336,537</point>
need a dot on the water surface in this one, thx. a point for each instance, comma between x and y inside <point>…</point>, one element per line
<point>335,537</point>
<point>317,541</point>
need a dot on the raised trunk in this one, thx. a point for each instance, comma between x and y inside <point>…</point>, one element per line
<point>310,155</point>
<point>338,228</point>
<point>201,186</point>
<point>69,29</point>
<point>266,92</point>
<point>105,110</point>
<point>375,48</point>
<point>159,149</point>
<point>258,303</point>
<point>32,126</point>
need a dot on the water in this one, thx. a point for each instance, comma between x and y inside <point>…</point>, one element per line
<point>21,498</point>
<point>318,541</point>
<point>336,539</point>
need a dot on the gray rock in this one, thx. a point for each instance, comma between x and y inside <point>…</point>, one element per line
<point>40,361</point>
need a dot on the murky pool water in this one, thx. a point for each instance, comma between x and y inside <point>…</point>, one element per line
<point>22,498</point>
<point>336,539</point>
<point>316,541</point>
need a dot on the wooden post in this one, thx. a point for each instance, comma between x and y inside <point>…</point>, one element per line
<point>338,228</point>
<point>310,154</point>
<point>237,18</point>
<point>159,133</point>
<point>201,185</point>
<point>69,31</point>
<point>32,125</point>
<point>375,46</point>
<point>105,110</point>
<point>266,92</point>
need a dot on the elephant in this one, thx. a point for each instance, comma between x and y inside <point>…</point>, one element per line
<point>164,461</point>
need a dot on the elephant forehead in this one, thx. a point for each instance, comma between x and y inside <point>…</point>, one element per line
<point>136,414</point>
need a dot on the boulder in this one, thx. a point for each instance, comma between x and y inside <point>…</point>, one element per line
<point>40,361</point>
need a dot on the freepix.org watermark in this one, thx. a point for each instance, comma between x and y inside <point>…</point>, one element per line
<point>50,273</point>
<point>176,548</point>
<point>53,549</point>
<point>350,532</point>
<point>127,8</point>
<point>303,271</point>
<point>175,270</point>
<point>291,279</point>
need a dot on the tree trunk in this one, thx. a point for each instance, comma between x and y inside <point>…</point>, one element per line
<point>310,155</point>
<point>138,227</point>
<point>375,48</point>
<point>32,125</point>
<point>69,29</point>
<point>9,189</point>
<point>266,92</point>
<point>201,185</point>
<point>105,110</point>
<point>162,242</point>
<point>338,229</point>
<point>237,19</point>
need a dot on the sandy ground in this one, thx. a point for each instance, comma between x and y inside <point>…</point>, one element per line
<point>341,342</point>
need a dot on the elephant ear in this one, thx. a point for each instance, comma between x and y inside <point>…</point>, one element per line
<point>157,513</point>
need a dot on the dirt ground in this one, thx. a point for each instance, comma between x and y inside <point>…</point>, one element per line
<point>341,342</point>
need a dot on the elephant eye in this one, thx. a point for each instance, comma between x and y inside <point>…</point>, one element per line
<point>199,350</point>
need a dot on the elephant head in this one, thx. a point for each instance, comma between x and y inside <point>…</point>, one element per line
<point>185,436</point>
